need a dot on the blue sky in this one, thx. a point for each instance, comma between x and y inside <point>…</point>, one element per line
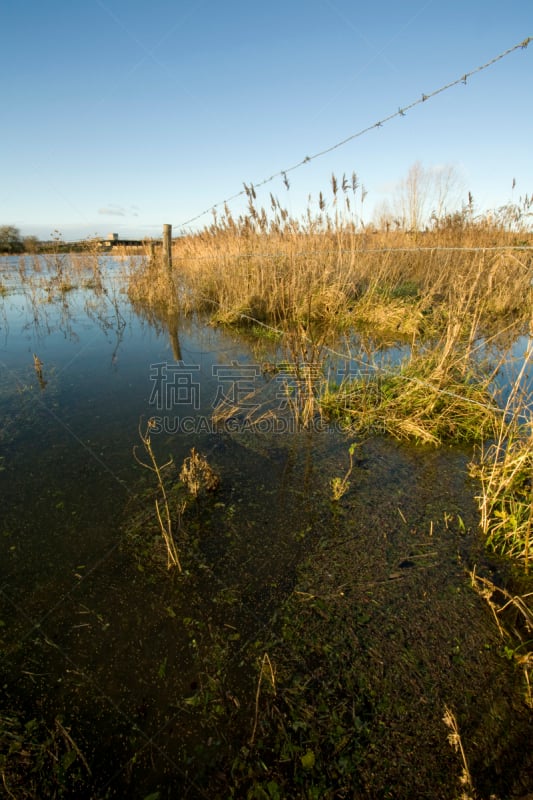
<point>121,115</point>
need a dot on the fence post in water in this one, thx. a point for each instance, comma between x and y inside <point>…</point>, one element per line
<point>167,247</point>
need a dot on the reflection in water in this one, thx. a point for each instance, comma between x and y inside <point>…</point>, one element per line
<point>38,365</point>
<point>45,302</point>
<point>163,320</point>
<point>172,325</point>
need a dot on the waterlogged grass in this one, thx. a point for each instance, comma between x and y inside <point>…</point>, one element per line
<point>444,293</point>
<point>505,472</point>
<point>300,285</point>
<point>414,402</point>
<point>504,468</point>
<point>394,318</point>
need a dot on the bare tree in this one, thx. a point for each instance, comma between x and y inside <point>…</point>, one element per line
<point>426,195</point>
<point>383,216</point>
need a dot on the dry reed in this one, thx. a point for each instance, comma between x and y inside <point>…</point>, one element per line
<point>164,518</point>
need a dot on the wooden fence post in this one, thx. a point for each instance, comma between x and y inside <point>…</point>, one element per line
<point>167,247</point>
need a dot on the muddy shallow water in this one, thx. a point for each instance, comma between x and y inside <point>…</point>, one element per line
<point>120,679</point>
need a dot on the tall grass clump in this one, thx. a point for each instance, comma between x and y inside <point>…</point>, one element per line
<point>327,267</point>
<point>505,472</point>
<point>415,401</point>
<point>150,284</point>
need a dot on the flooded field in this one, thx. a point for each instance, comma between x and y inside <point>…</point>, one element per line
<point>323,638</point>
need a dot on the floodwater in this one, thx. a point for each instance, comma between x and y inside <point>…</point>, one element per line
<point>123,679</point>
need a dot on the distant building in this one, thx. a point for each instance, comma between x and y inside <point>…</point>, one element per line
<point>112,240</point>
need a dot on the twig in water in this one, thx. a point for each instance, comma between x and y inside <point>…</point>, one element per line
<point>454,738</point>
<point>264,662</point>
<point>165,524</point>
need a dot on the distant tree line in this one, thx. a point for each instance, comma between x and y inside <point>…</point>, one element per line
<point>12,242</point>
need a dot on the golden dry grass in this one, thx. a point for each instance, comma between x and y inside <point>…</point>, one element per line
<point>325,268</point>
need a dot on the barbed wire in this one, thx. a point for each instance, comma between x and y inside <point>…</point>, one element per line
<point>355,251</point>
<point>399,113</point>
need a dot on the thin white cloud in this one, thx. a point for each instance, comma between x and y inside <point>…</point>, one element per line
<point>112,211</point>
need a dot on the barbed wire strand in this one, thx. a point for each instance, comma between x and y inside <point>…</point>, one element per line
<point>399,113</point>
<point>363,251</point>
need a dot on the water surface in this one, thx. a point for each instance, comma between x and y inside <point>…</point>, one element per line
<point>155,674</point>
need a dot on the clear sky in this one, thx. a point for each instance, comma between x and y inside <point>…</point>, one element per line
<point>122,115</point>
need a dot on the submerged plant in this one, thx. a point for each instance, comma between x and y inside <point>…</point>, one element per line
<point>266,670</point>
<point>339,486</point>
<point>454,738</point>
<point>40,759</point>
<point>517,608</point>
<point>197,475</point>
<point>38,366</point>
